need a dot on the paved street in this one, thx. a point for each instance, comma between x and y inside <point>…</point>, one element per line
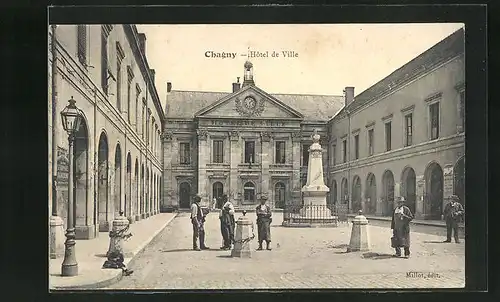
<point>301,258</point>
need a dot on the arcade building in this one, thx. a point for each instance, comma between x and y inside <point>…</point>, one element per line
<point>403,136</point>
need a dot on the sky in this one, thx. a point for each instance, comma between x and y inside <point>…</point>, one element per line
<point>327,57</point>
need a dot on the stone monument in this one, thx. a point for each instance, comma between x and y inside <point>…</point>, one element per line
<point>315,211</point>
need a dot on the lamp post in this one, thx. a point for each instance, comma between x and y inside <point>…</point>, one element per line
<point>71,119</point>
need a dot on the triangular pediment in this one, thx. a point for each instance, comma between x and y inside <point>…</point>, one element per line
<point>248,102</point>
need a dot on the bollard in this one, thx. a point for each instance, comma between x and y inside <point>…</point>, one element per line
<point>359,234</point>
<point>242,237</point>
<point>118,233</point>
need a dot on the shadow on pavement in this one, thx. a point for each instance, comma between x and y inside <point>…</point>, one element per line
<point>434,241</point>
<point>224,256</point>
<point>377,256</point>
<point>189,250</point>
<point>339,246</point>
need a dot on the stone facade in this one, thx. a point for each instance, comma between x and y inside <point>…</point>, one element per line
<point>117,149</point>
<point>425,168</point>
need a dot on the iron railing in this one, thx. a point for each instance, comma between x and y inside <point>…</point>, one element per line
<point>315,213</point>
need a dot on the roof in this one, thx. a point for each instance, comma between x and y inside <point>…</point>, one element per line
<point>446,49</point>
<point>184,104</point>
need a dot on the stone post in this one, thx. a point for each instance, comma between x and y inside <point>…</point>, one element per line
<point>242,237</point>
<point>119,229</point>
<point>360,239</point>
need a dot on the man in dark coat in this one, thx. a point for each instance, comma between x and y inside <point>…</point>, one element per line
<point>453,211</point>
<point>264,223</point>
<point>227,222</point>
<point>400,226</point>
<point>198,220</point>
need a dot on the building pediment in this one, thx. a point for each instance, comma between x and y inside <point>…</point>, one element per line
<point>249,102</point>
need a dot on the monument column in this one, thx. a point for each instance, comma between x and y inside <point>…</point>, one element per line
<point>235,159</point>
<point>265,156</point>
<point>296,184</point>
<point>203,154</point>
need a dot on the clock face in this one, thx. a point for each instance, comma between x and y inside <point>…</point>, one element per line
<point>250,102</point>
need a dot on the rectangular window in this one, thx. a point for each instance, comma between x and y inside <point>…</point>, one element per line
<point>462,110</point>
<point>118,86</point>
<point>249,152</point>
<point>280,153</point>
<point>185,153</point>
<point>82,44</point>
<point>434,123</point>
<point>344,151</point>
<point>388,137</point>
<point>104,63</point>
<point>218,149</point>
<point>305,154</point>
<point>356,146</point>
<point>408,129</point>
<point>370,142</point>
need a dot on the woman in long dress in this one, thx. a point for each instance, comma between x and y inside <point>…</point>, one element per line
<point>400,226</point>
<point>264,224</point>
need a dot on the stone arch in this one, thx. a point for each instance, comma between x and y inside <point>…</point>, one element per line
<point>356,194</point>
<point>136,198</point>
<point>279,195</point>
<point>103,187</point>
<point>249,192</point>
<point>387,204</point>
<point>118,181</point>
<point>344,191</point>
<point>217,190</point>
<point>142,208</point>
<point>81,176</point>
<point>371,194</point>
<point>148,191</point>
<point>459,179</point>
<point>184,195</point>
<point>128,188</point>
<point>409,187</point>
<point>434,185</point>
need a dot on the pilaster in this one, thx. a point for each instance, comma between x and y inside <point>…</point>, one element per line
<point>203,159</point>
<point>296,183</point>
<point>265,161</point>
<point>235,159</point>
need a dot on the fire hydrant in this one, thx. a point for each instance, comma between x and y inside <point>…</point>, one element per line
<point>359,234</point>
<point>243,235</point>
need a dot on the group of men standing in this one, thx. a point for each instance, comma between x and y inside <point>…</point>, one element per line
<point>402,216</point>
<point>225,209</point>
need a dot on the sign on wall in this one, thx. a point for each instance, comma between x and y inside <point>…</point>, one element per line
<point>62,167</point>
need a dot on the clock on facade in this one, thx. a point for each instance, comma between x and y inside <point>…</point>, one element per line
<point>250,103</point>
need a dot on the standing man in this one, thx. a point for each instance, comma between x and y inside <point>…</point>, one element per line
<point>198,220</point>
<point>452,213</point>
<point>400,226</point>
<point>264,220</point>
<point>228,222</point>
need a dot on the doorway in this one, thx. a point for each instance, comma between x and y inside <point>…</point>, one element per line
<point>434,181</point>
<point>184,195</point>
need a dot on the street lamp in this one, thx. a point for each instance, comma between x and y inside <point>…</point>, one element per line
<point>71,118</point>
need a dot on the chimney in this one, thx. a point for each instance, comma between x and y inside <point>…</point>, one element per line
<point>236,86</point>
<point>153,72</point>
<point>349,95</point>
<point>169,86</point>
<point>142,43</point>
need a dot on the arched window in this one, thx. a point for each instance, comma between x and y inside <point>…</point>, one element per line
<point>279,195</point>
<point>249,192</point>
<point>218,189</point>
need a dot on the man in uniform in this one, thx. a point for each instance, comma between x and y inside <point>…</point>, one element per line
<point>452,213</point>
<point>198,220</point>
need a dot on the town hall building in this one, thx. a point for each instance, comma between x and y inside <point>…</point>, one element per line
<point>403,136</point>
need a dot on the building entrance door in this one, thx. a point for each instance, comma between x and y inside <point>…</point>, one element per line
<point>184,195</point>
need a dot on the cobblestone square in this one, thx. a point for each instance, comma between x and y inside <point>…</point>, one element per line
<point>301,258</point>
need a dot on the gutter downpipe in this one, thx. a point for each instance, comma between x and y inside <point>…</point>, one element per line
<point>54,119</point>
